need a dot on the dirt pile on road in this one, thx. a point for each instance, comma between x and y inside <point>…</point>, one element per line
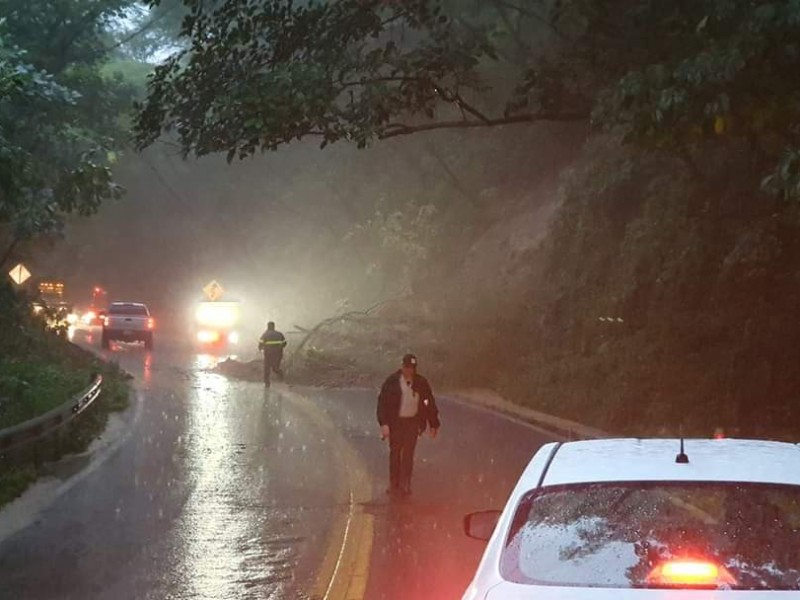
<point>315,368</point>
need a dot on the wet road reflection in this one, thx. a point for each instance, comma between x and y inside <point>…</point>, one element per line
<point>225,490</point>
<point>223,551</point>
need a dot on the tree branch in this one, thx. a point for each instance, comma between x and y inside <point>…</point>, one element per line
<point>387,79</point>
<point>397,129</point>
<point>465,106</point>
<point>9,251</point>
<point>143,29</point>
<point>533,15</point>
<point>348,316</point>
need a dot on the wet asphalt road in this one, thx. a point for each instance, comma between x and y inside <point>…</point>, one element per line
<point>221,489</point>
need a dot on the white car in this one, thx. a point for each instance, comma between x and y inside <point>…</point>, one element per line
<point>631,519</point>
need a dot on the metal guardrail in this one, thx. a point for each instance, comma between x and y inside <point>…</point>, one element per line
<point>43,425</point>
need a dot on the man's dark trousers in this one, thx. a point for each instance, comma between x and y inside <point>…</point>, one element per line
<point>271,363</point>
<point>403,435</point>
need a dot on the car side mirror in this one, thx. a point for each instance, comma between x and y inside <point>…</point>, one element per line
<point>480,525</point>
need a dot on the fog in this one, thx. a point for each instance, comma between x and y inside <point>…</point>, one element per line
<point>302,234</point>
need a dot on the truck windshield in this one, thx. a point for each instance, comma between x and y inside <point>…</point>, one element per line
<point>128,309</point>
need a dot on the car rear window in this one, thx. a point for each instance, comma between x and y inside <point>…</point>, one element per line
<point>619,535</point>
<point>128,309</point>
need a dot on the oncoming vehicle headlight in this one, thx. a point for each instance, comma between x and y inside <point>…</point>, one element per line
<point>233,337</point>
<point>207,337</point>
<point>217,314</point>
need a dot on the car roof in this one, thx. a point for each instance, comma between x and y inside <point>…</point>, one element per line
<point>630,459</point>
<point>127,304</point>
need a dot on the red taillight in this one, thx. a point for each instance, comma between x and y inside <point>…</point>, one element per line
<point>690,573</point>
<point>151,324</point>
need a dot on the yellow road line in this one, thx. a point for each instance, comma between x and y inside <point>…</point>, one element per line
<point>344,572</point>
<point>341,557</point>
<point>360,572</point>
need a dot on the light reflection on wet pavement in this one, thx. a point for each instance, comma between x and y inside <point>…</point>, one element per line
<point>215,495</point>
<point>222,557</point>
<point>226,490</point>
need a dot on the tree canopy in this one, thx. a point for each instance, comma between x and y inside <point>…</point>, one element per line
<point>261,74</point>
<point>62,111</point>
<point>674,75</point>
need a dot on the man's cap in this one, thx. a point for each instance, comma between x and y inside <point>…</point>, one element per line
<point>409,360</point>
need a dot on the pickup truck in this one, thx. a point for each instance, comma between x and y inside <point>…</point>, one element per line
<point>128,322</point>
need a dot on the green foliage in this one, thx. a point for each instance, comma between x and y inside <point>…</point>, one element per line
<point>700,288</point>
<point>257,75</point>
<point>50,165</point>
<point>29,389</point>
<point>716,71</point>
<point>38,371</point>
<point>63,106</point>
<point>261,74</point>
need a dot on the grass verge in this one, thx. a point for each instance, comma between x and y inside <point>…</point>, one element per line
<point>39,371</point>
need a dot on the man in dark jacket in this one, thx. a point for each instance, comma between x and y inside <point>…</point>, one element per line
<point>406,407</point>
<point>272,344</point>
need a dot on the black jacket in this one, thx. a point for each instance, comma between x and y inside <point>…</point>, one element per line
<point>391,395</point>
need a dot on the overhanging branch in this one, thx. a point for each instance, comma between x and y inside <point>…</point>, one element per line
<point>398,129</point>
<point>533,15</point>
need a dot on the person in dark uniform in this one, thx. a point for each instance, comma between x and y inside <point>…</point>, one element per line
<point>272,343</point>
<point>406,408</point>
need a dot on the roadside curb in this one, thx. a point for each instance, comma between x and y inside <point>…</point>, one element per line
<point>491,400</point>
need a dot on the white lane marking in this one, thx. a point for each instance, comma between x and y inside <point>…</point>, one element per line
<point>345,537</point>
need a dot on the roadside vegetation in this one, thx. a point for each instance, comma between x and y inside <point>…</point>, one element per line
<point>40,370</point>
<point>70,71</point>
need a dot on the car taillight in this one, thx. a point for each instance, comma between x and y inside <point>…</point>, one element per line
<point>151,324</point>
<point>690,573</point>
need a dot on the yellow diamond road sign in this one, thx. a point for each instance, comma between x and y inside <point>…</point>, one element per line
<point>19,274</point>
<point>213,291</point>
